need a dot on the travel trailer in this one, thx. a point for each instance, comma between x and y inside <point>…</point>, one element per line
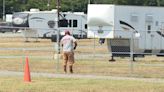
<point>129,30</point>
<point>43,24</point>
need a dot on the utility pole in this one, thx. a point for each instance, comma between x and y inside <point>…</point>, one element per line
<point>3,10</point>
<point>158,3</point>
<point>58,34</point>
<point>48,4</point>
<point>89,1</point>
<point>58,26</point>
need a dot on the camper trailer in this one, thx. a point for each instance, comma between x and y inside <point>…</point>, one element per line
<point>137,30</point>
<point>43,24</point>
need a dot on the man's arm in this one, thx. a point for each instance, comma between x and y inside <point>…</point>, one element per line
<point>75,45</point>
<point>61,42</point>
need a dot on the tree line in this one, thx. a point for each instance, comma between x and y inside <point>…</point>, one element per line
<point>67,5</point>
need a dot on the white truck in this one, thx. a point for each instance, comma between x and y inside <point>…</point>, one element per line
<point>136,30</point>
<point>43,24</point>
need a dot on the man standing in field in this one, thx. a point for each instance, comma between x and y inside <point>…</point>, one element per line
<point>69,44</point>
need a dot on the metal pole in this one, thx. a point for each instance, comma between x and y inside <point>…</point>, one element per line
<point>48,4</point>
<point>58,33</point>
<point>131,53</point>
<point>89,1</point>
<point>58,26</point>
<point>94,52</point>
<point>3,10</point>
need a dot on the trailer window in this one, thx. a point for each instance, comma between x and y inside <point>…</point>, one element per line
<point>86,26</point>
<point>149,27</point>
<point>134,17</point>
<point>149,18</point>
<point>63,23</point>
<point>74,23</point>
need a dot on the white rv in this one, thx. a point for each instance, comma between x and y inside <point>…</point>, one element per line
<point>140,27</point>
<point>43,24</point>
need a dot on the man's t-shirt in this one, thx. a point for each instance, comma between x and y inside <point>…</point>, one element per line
<point>67,42</point>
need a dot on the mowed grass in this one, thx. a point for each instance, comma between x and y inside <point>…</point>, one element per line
<point>42,60</point>
<point>120,68</point>
<point>8,84</point>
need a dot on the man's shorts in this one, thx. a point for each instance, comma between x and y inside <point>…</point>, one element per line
<point>68,57</point>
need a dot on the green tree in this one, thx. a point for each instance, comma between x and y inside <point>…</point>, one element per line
<point>135,2</point>
<point>69,5</point>
<point>40,4</point>
<point>122,2</point>
<point>74,6</point>
<point>150,2</point>
<point>10,6</point>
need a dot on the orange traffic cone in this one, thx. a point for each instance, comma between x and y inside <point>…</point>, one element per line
<point>27,77</point>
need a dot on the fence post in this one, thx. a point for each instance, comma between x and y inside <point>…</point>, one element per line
<point>93,66</point>
<point>131,54</point>
<point>24,53</point>
<point>58,50</point>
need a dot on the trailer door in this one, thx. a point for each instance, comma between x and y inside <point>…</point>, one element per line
<point>148,32</point>
<point>148,37</point>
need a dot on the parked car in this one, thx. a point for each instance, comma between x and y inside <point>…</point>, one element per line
<point>7,27</point>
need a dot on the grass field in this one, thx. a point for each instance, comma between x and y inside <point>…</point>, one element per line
<point>41,57</point>
<point>8,84</point>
